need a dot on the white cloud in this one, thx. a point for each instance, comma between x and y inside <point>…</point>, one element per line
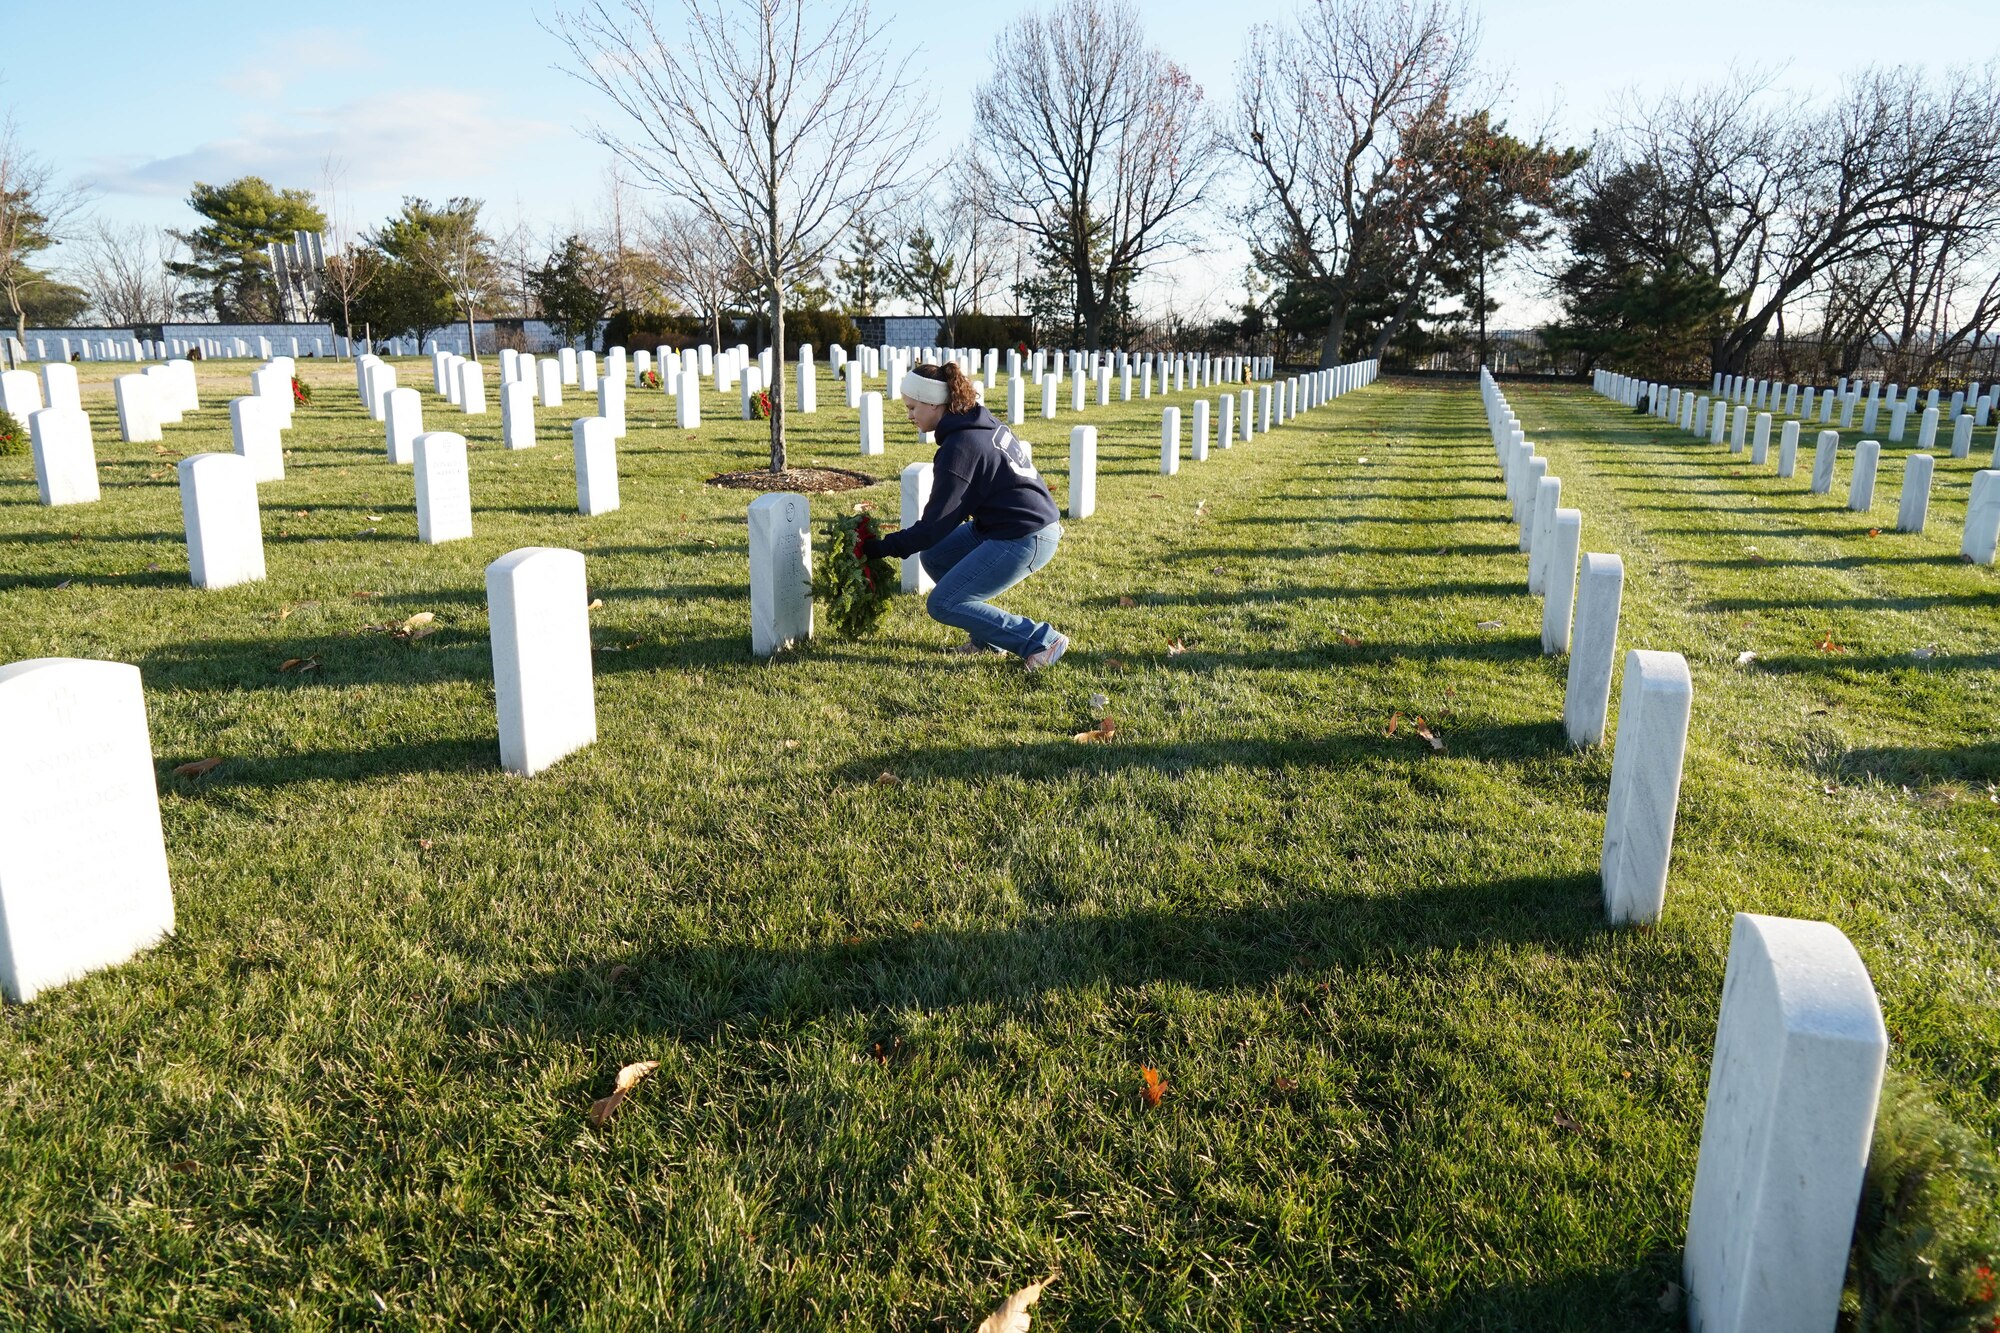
<point>280,58</point>
<point>404,141</point>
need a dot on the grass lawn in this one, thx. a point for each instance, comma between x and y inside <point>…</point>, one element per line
<point>1413,1081</point>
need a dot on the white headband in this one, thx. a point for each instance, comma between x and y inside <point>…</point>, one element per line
<point>925,389</point>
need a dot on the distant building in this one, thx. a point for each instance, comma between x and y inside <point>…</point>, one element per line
<point>900,330</point>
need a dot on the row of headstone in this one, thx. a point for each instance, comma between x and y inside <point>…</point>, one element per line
<point>1800,1045</point>
<point>1581,600</point>
<point>1980,541</point>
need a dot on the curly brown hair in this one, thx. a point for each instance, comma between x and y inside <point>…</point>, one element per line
<point>964,397</point>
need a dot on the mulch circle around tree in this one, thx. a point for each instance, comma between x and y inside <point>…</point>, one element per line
<point>807,480</point>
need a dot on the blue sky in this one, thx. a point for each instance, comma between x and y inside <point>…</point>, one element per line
<point>142,99</point>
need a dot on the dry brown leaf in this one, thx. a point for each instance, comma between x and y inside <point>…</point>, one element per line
<point>1874,532</point>
<point>887,779</point>
<point>1349,639</point>
<point>1394,718</point>
<point>628,1079</point>
<point>1126,601</point>
<point>1103,731</point>
<point>1491,624</point>
<point>791,745</point>
<point>424,844</point>
<point>1151,1086</point>
<point>595,602</point>
<point>1285,1083</point>
<point>1114,664</point>
<point>299,664</point>
<point>420,618</point>
<point>619,971</point>
<point>1176,648</point>
<point>1013,1316</point>
<point>196,768</point>
<point>64,584</point>
<point>1423,729</point>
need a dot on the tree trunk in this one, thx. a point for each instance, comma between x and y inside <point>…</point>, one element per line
<point>471,337</point>
<point>1336,331</point>
<point>776,387</point>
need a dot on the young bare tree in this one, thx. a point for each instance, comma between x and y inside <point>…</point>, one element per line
<point>1095,144</point>
<point>776,120</point>
<point>1329,118</point>
<point>694,265</point>
<point>35,209</point>
<point>945,258</point>
<point>123,269</point>
<point>351,267</point>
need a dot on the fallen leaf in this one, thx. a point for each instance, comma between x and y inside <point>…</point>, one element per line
<point>372,518</point>
<point>1670,1298</point>
<point>64,584</point>
<point>1285,1083</point>
<point>791,745</point>
<point>1565,1121</point>
<point>1756,559</point>
<point>420,618</point>
<point>1827,645</point>
<point>618,972</point>
<point>1362,459</point>
<point>196,768</point>
<point>1218,569</point>
<point>424,844</point>
<point>1013,1316</point>
<point>1491,624</point>
<point>1423,729</point>
<point>595,602</point>
<point>284,612</point>
<point>1103,731</point>
<point>152,569</point>
<point>1745,658</point>
<point>628,1079</point>
<point>1126,601</point>
<point>1151,1086</point>
<point>1922,653</point>
<point>186,1166</point>
<point>1176,648</point>
<point>1874,532</point>
<point>1099,702</point>
<point>1114,664</point>
<point>1394,718</point>
<point>1349,639</point>
<point>299,664</point>
<point>887,779</point>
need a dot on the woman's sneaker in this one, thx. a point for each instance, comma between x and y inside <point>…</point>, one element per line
<point>1049,656</point>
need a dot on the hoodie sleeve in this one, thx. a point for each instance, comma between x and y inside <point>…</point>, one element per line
<point>951,501</point>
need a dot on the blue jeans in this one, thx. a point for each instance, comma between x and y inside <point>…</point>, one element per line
<point>969,569</point>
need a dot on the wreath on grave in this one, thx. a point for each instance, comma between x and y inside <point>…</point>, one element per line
<point>13,439</point>
<point>855,588</point>
<point>650,380</point>
<point>302,393</point>
<point>760,405</point>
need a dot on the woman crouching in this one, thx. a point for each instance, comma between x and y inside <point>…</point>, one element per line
<point>990,521</point>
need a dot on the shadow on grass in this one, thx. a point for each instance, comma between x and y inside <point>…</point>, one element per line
<point>1416,592</point>
<point>1627,1299</point>
<point>1913,765</point>
<point>699,992</point>
<point>1835,664</point>
<point>1811,602</point>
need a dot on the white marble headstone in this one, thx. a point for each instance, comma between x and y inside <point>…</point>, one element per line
<point>596,455</point>
<point>1792,1091</point>
<point>83,862</point>
<point>1082,472</point>
<point>444,486</point>
<point>254,434</point>
<point>1646,759</point>
<point>1600,588</point>
<point>916,494</point>
<point>65,456</point>
<point>537,606</point>
<point>781,609</point>
<point>225,537</point>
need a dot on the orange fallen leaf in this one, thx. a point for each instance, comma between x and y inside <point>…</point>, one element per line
<point>1151,1086</point>
<point>1176,648</point>
<point>1827,645</point>
<point>299,664</point>
<point>1126,601</point>
<point>887,779</point>
<point>1285,1083</point>
<point>1012,1316</point>
<point>1423,729</point>
<point>1874,532</point>
<point>1394,718</point>
<point>1349,639</point>
<point>1103,731</point>
<point>595,602</point>
<point>196,768</point>
<point>424,844</point>
<point>628,1079</point>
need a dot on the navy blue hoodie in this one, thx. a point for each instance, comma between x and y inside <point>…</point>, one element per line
<point>982,470</point>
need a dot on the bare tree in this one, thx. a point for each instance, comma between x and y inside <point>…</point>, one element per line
<point>776,120</point>
<point>351,267</point>
<point>946,257</point>
<point>123,269</point>
<point>35,209</point>
<point>694,265</point>
<point>1328,118</point>
<point>1094,143</point>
